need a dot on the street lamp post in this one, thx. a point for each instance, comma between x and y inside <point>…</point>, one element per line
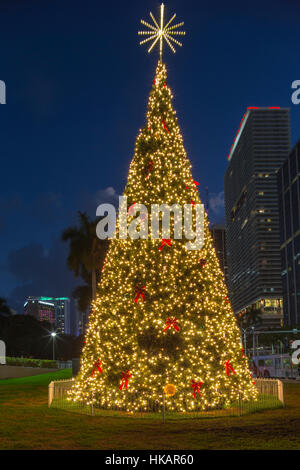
<point>245,332</point>
<point>53,334</point>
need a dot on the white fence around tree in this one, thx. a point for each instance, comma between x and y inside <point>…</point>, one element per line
<point>273,387</point>
<point>271,395</point>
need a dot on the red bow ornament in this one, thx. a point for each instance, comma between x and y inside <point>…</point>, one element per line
<point>172,322</point>
<point>96,366</point>
<point>196,387</point>
<point>229,368</point>
<point>165,126</point>
<point>140,292</point>
<point>164,242</point>
<point>130,209</point>
<point>150,168</point>
<point>195,183</point>
<point>125,378</point>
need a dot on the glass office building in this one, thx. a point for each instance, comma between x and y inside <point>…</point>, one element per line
<point>219,237</point>
<point>289,210</point>
<point>260,147</point>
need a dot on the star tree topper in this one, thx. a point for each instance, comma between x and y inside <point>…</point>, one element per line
<point>158,33</point>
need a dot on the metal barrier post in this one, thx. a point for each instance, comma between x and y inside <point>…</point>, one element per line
<point>240,404</point>
<point>164,407</point>
<point>92,405</point>
<point>280,391</point>
<point>50,393</point>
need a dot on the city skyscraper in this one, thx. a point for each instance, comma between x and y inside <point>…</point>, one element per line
<point>260,147</point>
<point>289,212</point>
<point>218,232</point>
<point>41,308</point>
<point>55,310</point>
<point>62,315</point>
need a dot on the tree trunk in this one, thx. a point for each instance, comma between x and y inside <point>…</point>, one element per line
<point>93,284</point>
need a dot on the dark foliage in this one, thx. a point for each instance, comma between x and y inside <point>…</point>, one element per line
<point>4,308</point>
<point>25,336</point>
<point>168,342</point>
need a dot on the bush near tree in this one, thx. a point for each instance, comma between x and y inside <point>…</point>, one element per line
<point>29,362</point>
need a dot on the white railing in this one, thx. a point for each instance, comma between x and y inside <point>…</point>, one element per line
<point>271,387</point>
<point>58,389</point>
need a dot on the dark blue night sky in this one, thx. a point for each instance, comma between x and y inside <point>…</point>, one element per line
<point>77,88</point>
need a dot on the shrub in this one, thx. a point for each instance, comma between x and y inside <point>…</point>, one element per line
<point>29,362</point>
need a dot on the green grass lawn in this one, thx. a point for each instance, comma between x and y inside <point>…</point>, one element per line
<point>27,423</point>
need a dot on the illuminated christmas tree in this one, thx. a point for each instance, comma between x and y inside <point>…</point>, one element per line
<point>162,316</point>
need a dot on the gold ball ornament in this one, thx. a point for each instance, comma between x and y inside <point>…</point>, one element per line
<point>170,390</point>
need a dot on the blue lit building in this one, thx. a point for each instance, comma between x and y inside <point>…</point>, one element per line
<point>55,310</point>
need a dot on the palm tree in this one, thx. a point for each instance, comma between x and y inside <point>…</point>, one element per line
<point>4,308</point>
<point>87,251</point>
<point>83,296</point>
<point>83,293</point>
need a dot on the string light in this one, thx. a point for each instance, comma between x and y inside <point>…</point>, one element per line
<point>187,284</point>
<point>159,33</point>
